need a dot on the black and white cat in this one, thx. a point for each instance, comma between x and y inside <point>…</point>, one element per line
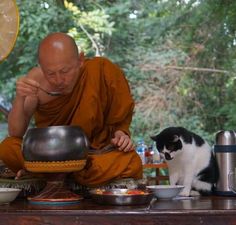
<point>190,160</point>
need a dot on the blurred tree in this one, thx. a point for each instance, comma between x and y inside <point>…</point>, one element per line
<point>179,56</point>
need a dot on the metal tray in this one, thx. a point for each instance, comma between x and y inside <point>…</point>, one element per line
<point>121,196</point>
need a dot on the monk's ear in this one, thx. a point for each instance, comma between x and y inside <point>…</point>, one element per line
<point>81,58</point>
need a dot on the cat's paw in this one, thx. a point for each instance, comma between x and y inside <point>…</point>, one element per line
<point>194,193</point>
<point>184,193</point>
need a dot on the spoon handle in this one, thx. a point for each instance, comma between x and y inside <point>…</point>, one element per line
<point>47,92</point>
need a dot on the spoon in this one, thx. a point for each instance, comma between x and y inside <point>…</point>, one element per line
<point>51,93</point>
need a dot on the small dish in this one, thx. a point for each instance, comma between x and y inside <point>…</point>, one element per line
<point>8,195</point>
<point>165,191</point>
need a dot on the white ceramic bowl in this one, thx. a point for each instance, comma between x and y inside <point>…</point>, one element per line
<point>165,191</point>
<point>8,195</point>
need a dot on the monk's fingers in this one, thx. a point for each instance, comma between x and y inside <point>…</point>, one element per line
<point>123,139</point>
<point>126,145</point>
<point>129,147</point>
<point>117,141</point>
<point>20,174</point>
<point>25,87</point>
<point>132,148</point>
<point>26,91</point>
<point>25,81</point>
<point>122,143</point>
<point>114,141</point>
<point>31,82</point>
<point>23,174</point>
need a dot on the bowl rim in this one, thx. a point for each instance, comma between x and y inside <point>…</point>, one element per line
<point>163,186</point>
<point>54,126</point>
<point>8,190</point>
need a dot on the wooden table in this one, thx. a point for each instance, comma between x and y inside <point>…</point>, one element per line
<point>204,210</point>
<point>159,177</point>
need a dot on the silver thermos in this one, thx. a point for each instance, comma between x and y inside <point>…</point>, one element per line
<point>225,151</point>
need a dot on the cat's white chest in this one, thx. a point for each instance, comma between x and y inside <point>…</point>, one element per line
<point>177,171</point>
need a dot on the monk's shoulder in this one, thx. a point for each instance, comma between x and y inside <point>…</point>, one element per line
<point>99,62</point>
<point>36,74</point>
<point>104,67</point>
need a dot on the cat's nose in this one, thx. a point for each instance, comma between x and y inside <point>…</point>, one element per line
<point>167,156</point>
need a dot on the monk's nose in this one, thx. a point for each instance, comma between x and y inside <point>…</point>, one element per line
<point>59,79</point>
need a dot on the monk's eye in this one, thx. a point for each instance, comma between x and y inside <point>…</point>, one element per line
<point>65,71</point>
<point>51,74</point>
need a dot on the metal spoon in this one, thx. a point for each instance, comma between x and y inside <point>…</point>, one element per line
<point>51,93</point>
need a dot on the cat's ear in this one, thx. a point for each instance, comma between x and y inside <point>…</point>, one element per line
<point>175,138</point>
<point>153,137</point>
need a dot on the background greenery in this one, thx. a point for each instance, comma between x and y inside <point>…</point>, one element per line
<point>179,56</point>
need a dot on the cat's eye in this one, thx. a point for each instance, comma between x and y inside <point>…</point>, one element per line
<point>170,147</point>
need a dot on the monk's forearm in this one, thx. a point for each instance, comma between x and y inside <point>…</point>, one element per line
<point>17,119</point>
<point>125,124</point>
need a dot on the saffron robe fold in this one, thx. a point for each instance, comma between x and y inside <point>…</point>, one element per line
<point>100,104</point>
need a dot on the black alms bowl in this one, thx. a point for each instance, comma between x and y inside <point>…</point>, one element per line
<point>55,143</point>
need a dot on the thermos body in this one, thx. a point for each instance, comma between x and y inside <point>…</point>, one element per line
<point>225,151</point>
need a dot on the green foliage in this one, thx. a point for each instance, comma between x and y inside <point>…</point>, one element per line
<point>207,38</point>
<point>90,28</point>
<point>179,56</point>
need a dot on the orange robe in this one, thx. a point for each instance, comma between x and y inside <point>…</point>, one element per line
<point>100,104</point>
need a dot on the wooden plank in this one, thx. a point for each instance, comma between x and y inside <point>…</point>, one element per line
<point>193,211</point>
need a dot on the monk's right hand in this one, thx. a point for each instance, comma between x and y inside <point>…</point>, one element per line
<point>26,87</point>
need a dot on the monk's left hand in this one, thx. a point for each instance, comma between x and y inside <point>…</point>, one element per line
<point>122,141</point>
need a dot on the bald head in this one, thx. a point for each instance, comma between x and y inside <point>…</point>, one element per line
<point>57,46</point>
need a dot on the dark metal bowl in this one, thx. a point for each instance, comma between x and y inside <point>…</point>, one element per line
<point>118,197</point>
<point>55,143</point>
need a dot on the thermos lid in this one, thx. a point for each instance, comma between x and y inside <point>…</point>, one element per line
<point>226,137</point>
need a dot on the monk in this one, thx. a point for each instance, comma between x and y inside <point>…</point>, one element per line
<point>95,96</point>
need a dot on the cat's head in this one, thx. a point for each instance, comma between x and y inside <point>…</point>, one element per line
<point>168,143</point>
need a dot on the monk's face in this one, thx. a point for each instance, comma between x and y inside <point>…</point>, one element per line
<point>61,71</point>
<point>60,62</point>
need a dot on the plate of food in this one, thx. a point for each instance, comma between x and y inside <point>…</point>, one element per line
<point>121,196</point>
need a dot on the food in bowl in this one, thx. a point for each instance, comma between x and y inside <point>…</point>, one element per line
<point>120,192</point>
<point>122,196</point>
<point>165,191</point>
